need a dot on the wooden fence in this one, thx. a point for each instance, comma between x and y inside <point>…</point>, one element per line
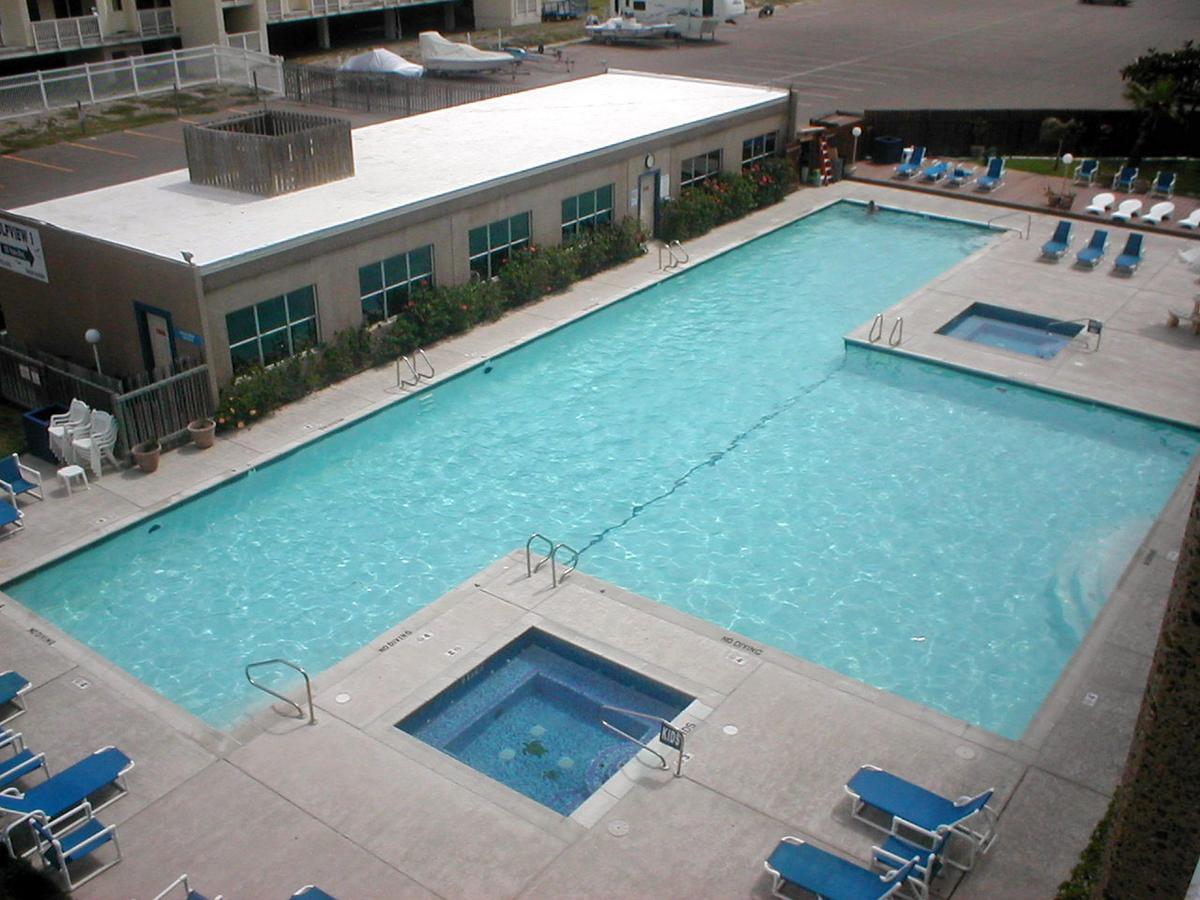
<point>160,406</point>
<point>953,132</point>
<point>270,152</point>
<point>376,92</point>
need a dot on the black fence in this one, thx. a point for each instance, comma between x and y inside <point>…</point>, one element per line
<point>377,92</point>
<point>955,132</point>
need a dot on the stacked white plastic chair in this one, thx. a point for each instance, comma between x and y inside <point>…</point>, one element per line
<point>98,444</point>
<point>65,427</point>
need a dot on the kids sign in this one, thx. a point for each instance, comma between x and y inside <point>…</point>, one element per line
<point>21,250</point>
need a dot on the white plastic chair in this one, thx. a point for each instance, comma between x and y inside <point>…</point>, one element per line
<point>1127,210</point>
<point>98,444</point>
<point>65,427</point>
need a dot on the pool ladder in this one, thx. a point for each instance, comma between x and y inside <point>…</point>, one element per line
<point>551,557</point>
<point>895,337</point>
<point>312,716</point>
<point>417,372</point>
<point>676,256</point>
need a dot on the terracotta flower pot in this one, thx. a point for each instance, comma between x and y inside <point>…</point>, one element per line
<point>146,455</point>
<point>203,432</point>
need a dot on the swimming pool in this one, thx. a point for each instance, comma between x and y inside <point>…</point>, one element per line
<point>712,445</point>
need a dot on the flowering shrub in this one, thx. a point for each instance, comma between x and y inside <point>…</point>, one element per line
<point>723,198</point>
<point>431,314</point>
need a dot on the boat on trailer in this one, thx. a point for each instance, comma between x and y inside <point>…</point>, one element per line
<point>443,56</point>
<point>691,20</point>
<point>620,29</point>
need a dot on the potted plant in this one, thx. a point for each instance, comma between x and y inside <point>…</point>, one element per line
<point>203,432</point>
<point>146,455</point>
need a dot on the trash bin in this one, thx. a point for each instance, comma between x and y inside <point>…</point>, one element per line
<point>886,150</point>
<point>37,438</point>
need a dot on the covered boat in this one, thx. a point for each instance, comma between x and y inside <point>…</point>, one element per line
<point>621,28</point>
<point>441,55</point>
<point>380,60</point>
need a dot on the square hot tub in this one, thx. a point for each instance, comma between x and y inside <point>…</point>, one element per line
<point>1010,329</point>
<point>531,718</point>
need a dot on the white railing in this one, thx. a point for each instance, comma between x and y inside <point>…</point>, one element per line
<point>245,40</point>
<point>280,10</point>
<point>120,78</point>
<point>66,34</point>
<point>156,21</point>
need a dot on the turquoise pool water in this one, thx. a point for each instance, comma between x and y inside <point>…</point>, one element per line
<point>712,445</point>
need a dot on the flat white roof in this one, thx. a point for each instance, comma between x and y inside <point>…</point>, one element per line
<point>402,164</point>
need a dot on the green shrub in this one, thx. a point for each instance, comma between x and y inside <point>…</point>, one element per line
<point>723,198</point>
<point>1080,884</point>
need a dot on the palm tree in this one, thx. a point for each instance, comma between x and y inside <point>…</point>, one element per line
<point>1156,102</point>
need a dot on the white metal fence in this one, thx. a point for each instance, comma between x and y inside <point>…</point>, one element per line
<point>36,92</point>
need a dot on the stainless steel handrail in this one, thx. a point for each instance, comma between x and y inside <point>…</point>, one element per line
<point>675,245</point>
<point>312,716</point>
<point>403,382</point>
<point>630,737</point>
<point>1028,221</point>
<point>555,581</point>
<point>421,375</point>
<point>529,567</point>
<point>893,339</point>
<point>872,337</point>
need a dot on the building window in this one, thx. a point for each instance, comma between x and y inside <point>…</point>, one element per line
<point>700,168</point>
<point>384,287</point>
<point>757,148</point>
<point>491,245</point>
<point>275,329</point>
<point>585,211</point>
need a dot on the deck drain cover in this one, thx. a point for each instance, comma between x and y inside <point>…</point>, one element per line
<point>342,698</point>
<point>618,828</point>
<point>964,752</point>
<point>730,729</point>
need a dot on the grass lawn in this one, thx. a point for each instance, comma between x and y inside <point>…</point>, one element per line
<point>1187,182</point>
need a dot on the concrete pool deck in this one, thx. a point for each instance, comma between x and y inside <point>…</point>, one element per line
<point>365,811</point>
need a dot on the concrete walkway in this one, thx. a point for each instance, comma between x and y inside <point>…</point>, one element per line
<point>362,809</point>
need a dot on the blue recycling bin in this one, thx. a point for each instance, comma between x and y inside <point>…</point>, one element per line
<point>37,439</point>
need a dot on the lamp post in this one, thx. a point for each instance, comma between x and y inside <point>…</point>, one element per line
<point>1067,159</point>
<point>92,336</point>
<point>857,133</point>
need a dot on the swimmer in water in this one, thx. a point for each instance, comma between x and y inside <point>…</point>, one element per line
<point>871,207</point>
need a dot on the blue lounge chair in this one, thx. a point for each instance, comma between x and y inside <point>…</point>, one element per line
<point>22,762</point>
<point>1131,256</point>
<point>895,852</point>
<point>960,176</point>
<point>1094,251</point>
<point>807,867</point>
<point>913,166</point>
<point>994,176</point>
<point>917,814</point>
<point>311,892</point>
<point>1057,246</point>
<point>188,893</point>
<point>61,793</point>
<point>1086,171</point>
<point>13,685</point>
<point>1123,180</point>
<point>71,839</point>
<point>18,478</point>
<point>10,515</point>
<point>936,172</point>
<point>1164,185</point>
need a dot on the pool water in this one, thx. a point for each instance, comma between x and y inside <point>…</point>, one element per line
<point>1010,329</point>
<point>530,717</point>
<point>709,443</point>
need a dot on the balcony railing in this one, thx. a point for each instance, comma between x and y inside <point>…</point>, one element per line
<point>153,22</point>
<point>245,40</point>
<point>280,10</point>
<point>67,34</point>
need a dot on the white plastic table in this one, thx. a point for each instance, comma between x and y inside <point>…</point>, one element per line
<point>67,474</point>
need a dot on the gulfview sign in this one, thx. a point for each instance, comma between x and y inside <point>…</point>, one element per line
<point>21,250</point>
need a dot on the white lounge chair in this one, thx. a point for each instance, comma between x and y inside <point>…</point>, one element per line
<point>1175,316</point>
<point>64,427</point>
<point>1192,220</point>
<point>1159,213</point>
<point>98,444</point>
<point>1127,210</point>
<point>1101,203</point>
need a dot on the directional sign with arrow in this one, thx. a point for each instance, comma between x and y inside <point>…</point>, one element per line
<point>21,250</point>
